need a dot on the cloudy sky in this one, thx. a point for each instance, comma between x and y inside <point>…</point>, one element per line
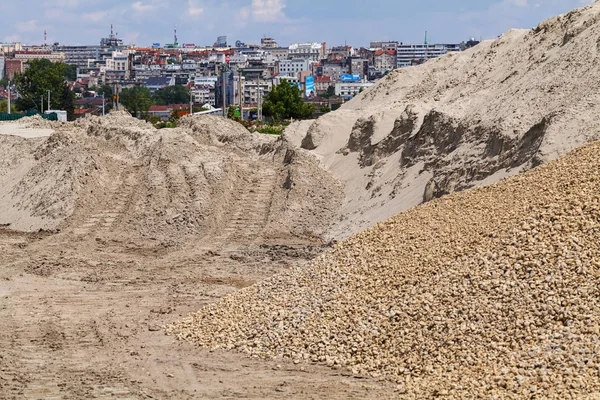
<point>356,22</point>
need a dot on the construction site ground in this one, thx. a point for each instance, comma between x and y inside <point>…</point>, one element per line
<point>82,318</point>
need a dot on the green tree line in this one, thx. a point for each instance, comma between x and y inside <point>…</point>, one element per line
<point>43,76</point>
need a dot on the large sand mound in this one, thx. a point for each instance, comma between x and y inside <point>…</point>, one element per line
<point>488,293</point>
<point>119,177</point>
<point>463,120</point>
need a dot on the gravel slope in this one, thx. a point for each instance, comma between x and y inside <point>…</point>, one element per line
<point>493,293</point>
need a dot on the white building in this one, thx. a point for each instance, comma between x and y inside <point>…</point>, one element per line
<point>204,95</point>
<point>82,56</point>
<point>10,47</point>
<point>406,53</point>
<point>251,89</point>
<point>1,67</point>
<point>351,89</point>
<point>206,81</point>
<point>119,61</point>
<point>47,55</point>
<point>294,67</point>
<point>309,51</point>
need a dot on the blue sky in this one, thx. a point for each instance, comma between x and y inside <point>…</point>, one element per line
<point>356,22</point>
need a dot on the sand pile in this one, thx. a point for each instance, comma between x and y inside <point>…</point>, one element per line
<point>119,177</point>
<point>491,293</point>
<point>463,120</point>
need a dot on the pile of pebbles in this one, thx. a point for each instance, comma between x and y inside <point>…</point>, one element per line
<point>493,292</point>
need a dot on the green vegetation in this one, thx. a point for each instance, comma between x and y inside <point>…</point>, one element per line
<point>137,100</point>
<point>271,130</point>
<point>43,76</point>
<point>4,81</point>
<point>71,72</point>
<point>285,102</point>
<point>329,93</point>
<point>177,94</point>
<point>105,90</point>
<point>4,107</point>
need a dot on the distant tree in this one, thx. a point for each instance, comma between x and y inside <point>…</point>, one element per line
<point>329,93</point>
<point>285,101</point>
<point>4,81</point>
<point>105,90</point>
<point>137,100</point>
<point>335,106</point>
<point>67,102</point>
<point>43,76</point>
<point>4,107</point>
<point>171,95</point>
<point>71,72</point>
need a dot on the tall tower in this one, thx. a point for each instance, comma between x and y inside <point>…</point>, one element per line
<point>175,42</point>
<point>45,38</point>
<point>426,47</point>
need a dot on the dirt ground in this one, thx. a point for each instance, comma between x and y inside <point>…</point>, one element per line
<point>82,317</point>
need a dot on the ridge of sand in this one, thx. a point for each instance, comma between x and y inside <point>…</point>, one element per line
<point>462,120</point>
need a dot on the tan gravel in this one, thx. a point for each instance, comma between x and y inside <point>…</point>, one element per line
<point>488,293</point>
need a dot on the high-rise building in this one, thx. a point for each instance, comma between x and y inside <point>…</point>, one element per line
<point>268,43</point>
<point>221,41</point>
<point>1,67</point>
<point>81,56</point>
<point>409,54</point>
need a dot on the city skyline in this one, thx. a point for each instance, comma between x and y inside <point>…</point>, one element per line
<point>356,22</point>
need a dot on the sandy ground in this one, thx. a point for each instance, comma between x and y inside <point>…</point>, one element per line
<point>108,252</point>
<point>82,319</point>
<point>16,129</point>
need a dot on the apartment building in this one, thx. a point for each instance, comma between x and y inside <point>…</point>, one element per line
<point>268,43</point>
<point>252,89</point>
<point>280,53</point>
<point>384,45</point>
<point>308,51</point>
<point>119,61</point>
<point>82,56</point>
<point>1,67</point>
<point>351,89</point>
<point>6,48</point>
<point>294,67</point>
<point>385,59</point>
<point>26,56</point>
<point>12,67</point>
<point>408,53</point>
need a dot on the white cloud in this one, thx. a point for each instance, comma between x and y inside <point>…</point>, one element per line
<point>517,3</point>
<point>97,16</point>
<point>141,7</point>
<point>12,38</point>
<point>64,3</point>
<point>27,26</point>
<point>263,11</point>
<point>195,8</point>
<point>268,10</point>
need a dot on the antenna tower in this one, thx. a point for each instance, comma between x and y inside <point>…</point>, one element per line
<point>175,35</point>
<point>426,47</point>
<point>45,38</point>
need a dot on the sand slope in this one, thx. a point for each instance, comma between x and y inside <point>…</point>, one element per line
<point>464,119</point>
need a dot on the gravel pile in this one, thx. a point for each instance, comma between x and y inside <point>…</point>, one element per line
<point>492,293</point>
